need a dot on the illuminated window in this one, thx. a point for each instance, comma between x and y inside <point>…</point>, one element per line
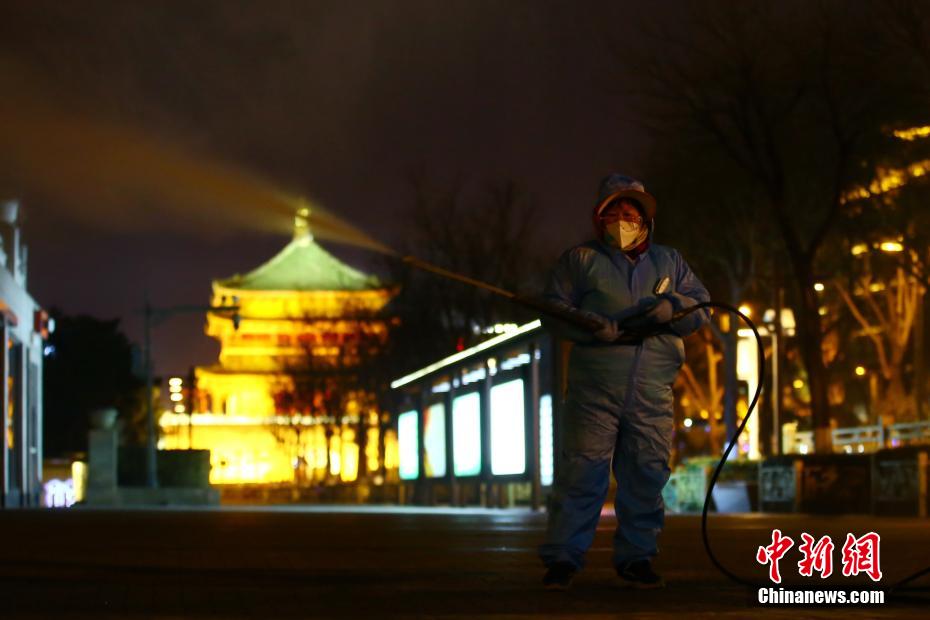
<point>335,454</point>
<point>349,456</point>
<point>79,476</point>
<point>391,450</point>
<point>545,440</point>
<point>434,441</point>
<point>371,450</point>
<point>466,434</point>
<point>508,442</point>
<point>58,493</point>
<point>409,445</point>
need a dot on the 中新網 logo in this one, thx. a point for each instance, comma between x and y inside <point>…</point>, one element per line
<point>859,555</point>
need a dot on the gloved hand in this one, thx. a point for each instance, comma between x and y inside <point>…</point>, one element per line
<point>608,332</point>
<point>660,312</point>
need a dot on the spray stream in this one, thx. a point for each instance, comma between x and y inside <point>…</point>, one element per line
<point>120,178</point>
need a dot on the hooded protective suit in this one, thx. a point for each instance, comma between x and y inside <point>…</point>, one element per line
<point>619,401</point>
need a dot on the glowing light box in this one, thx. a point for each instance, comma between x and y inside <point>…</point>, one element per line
<point>466,434</point>
<point>508,440</point>
<point>408,445</point>
<point>434,441</point>
<point>546,468</point>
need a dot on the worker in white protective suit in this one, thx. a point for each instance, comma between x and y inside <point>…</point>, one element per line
<point>618,407</point>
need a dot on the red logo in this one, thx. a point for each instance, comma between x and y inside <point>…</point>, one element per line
<point>860,555</point>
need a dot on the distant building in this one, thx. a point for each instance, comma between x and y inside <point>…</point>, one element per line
<point>284,404</point>
<point>25,328</point>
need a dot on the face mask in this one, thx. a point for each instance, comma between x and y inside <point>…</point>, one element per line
<point>625,235</point>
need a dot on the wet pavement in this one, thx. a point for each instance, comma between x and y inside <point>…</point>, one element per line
<point>401,563</point>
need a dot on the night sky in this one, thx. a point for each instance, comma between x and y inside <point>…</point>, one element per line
<point>338,101</point>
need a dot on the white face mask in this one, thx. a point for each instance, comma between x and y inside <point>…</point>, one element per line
<point>625,235</point>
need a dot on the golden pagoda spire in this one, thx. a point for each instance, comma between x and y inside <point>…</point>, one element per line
<point>302,225</point>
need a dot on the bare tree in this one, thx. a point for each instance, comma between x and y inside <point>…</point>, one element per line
<point>326,377</point>
<point>886,312</point>
<point>488,232</point>
<point>791,96</point>
<point>723,239</point>
<point>704,396</point>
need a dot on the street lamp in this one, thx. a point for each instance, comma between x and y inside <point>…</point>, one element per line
<point>176,389</point>
<point>780,322</point>
<point>154,316</point>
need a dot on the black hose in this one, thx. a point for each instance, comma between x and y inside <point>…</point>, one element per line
<point>726,453</point>
<point>733,440</point>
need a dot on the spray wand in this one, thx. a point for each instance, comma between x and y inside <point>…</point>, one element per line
<point>538,305</point>
<point>527,302</point>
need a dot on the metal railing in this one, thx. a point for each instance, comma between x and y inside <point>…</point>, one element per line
<point>859,439</point>
<point>865,439</point>
<point>909,433</point>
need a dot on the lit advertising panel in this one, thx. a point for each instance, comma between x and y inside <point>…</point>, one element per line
<point>466,434</point>
<point>434,441</point>
<point>546,468</point>
<point>508,441</point>
<point>408,445</point>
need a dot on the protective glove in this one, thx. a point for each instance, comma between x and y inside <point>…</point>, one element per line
<point>608,332</point>
<point>660,312</point>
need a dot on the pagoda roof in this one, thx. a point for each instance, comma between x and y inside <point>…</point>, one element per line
<point>303,265</point>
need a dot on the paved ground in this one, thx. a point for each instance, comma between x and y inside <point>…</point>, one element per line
<point>317,563</point>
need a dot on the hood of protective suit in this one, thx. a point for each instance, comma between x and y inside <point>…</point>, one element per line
<point>615,186</point>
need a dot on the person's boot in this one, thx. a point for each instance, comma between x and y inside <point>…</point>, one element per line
<point>639,574</point>
<point>559,576</point>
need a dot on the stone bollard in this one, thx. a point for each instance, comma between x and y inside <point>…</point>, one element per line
<point>102,458</point>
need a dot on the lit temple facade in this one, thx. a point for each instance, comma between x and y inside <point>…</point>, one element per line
<point>25,327</point>
<point>288,402</point>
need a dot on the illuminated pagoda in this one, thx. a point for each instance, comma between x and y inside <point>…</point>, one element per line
<point>285,404</point>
